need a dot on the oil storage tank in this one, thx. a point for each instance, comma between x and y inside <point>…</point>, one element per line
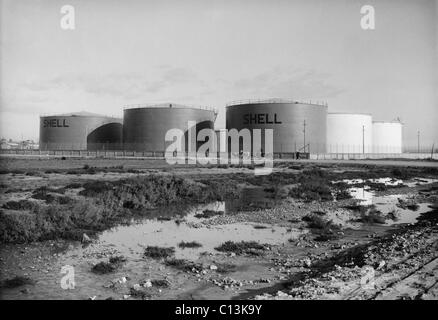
<point>296,126</point>
<point>387,137</point>
<point>349,133</point>
<point>80,131</point>
<point>145,126</point>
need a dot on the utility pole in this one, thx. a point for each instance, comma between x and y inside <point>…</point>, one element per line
<point>418,141</point>
<point>304,132</point>
<point>363,139</point>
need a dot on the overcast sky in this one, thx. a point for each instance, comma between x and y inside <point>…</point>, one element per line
<point>210,52</point>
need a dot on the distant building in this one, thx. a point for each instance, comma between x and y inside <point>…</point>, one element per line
<point>28,144</point>
<point>22,145</point>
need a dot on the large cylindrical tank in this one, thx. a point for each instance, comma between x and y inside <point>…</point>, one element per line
<point>145,127</point>
<point>295,125</point>
<point>349,133</point>
<point>387,137</point>
<point>80,131</point>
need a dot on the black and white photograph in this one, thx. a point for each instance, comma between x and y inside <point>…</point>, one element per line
<point>203,150</point>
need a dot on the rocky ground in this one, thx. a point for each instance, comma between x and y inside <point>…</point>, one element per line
<point>373,261</point>
<point>402,265</point>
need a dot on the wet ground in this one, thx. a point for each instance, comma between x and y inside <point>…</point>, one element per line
<point>290,245</point>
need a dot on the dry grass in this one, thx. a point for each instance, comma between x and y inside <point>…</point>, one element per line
<point>191,244</point>
<point>243,247</point>
<point>159,252</point>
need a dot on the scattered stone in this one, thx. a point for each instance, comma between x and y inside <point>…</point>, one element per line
<point>136,287</point>
<point>228,283</point>
<point>307,262</point>
<point>85,238</point>
<point>381,264</point>
<point>116,282</point>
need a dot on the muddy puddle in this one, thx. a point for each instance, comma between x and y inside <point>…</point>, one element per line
<point>394,208</point>
<point>164,227</point>
<point>169,233</point>
<point>391,182</point>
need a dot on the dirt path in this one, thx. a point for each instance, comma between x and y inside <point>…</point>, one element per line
<point>403,265</point>
<point>418,283</point>
<point>410,278</point>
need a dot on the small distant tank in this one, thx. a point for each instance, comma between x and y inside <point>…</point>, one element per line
<point>387,137</point>
<point>349,133</point>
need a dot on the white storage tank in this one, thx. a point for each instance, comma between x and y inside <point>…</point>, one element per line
<point>349,133</point>
<point>387,137</point>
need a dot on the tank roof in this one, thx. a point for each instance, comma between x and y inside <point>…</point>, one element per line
<point>383,121</point>
<point>350,113</point>
<point>274,101</point>
<point>79,114</point>
<point>168,106</point>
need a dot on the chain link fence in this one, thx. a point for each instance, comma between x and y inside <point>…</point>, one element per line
<point>283,151</point>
